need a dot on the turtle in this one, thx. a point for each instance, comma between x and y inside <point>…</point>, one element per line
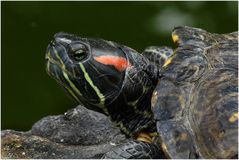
<point>171,103</point>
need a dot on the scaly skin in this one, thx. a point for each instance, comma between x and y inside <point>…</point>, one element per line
<point>106,77</point>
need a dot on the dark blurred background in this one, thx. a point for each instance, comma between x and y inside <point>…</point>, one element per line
<point>28,94</point>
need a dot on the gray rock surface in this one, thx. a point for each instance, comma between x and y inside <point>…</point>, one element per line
<point>79,133</point>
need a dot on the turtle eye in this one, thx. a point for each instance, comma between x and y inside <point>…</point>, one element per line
<point>80,54</point>
<point>78,51</point>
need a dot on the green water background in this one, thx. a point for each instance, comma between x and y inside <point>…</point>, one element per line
<point>28,94</point>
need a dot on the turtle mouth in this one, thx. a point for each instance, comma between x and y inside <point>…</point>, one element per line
<point>57,61</point>
<point>58,69</point>
<point>55,65</point>
<point>54,70</point>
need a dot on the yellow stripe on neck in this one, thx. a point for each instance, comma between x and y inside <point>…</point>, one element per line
<point>97,91</point>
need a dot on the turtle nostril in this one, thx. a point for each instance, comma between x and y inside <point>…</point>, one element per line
<point>52,43</point>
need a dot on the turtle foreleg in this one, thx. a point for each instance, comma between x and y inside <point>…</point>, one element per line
<point>135,149</point>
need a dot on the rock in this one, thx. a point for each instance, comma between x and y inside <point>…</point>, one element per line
<point>80,133</point>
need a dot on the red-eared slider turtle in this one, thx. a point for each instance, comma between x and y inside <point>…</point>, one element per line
<point>176,104</point>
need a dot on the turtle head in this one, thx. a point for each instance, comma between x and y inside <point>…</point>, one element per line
<point>91,70</point>
<point>106,77</point>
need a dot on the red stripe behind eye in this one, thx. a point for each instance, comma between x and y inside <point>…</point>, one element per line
<point>119,63</point>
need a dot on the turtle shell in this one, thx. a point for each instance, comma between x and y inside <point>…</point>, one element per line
<point>195,103</point>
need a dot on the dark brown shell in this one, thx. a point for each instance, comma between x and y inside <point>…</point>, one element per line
<point>195,103</point>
